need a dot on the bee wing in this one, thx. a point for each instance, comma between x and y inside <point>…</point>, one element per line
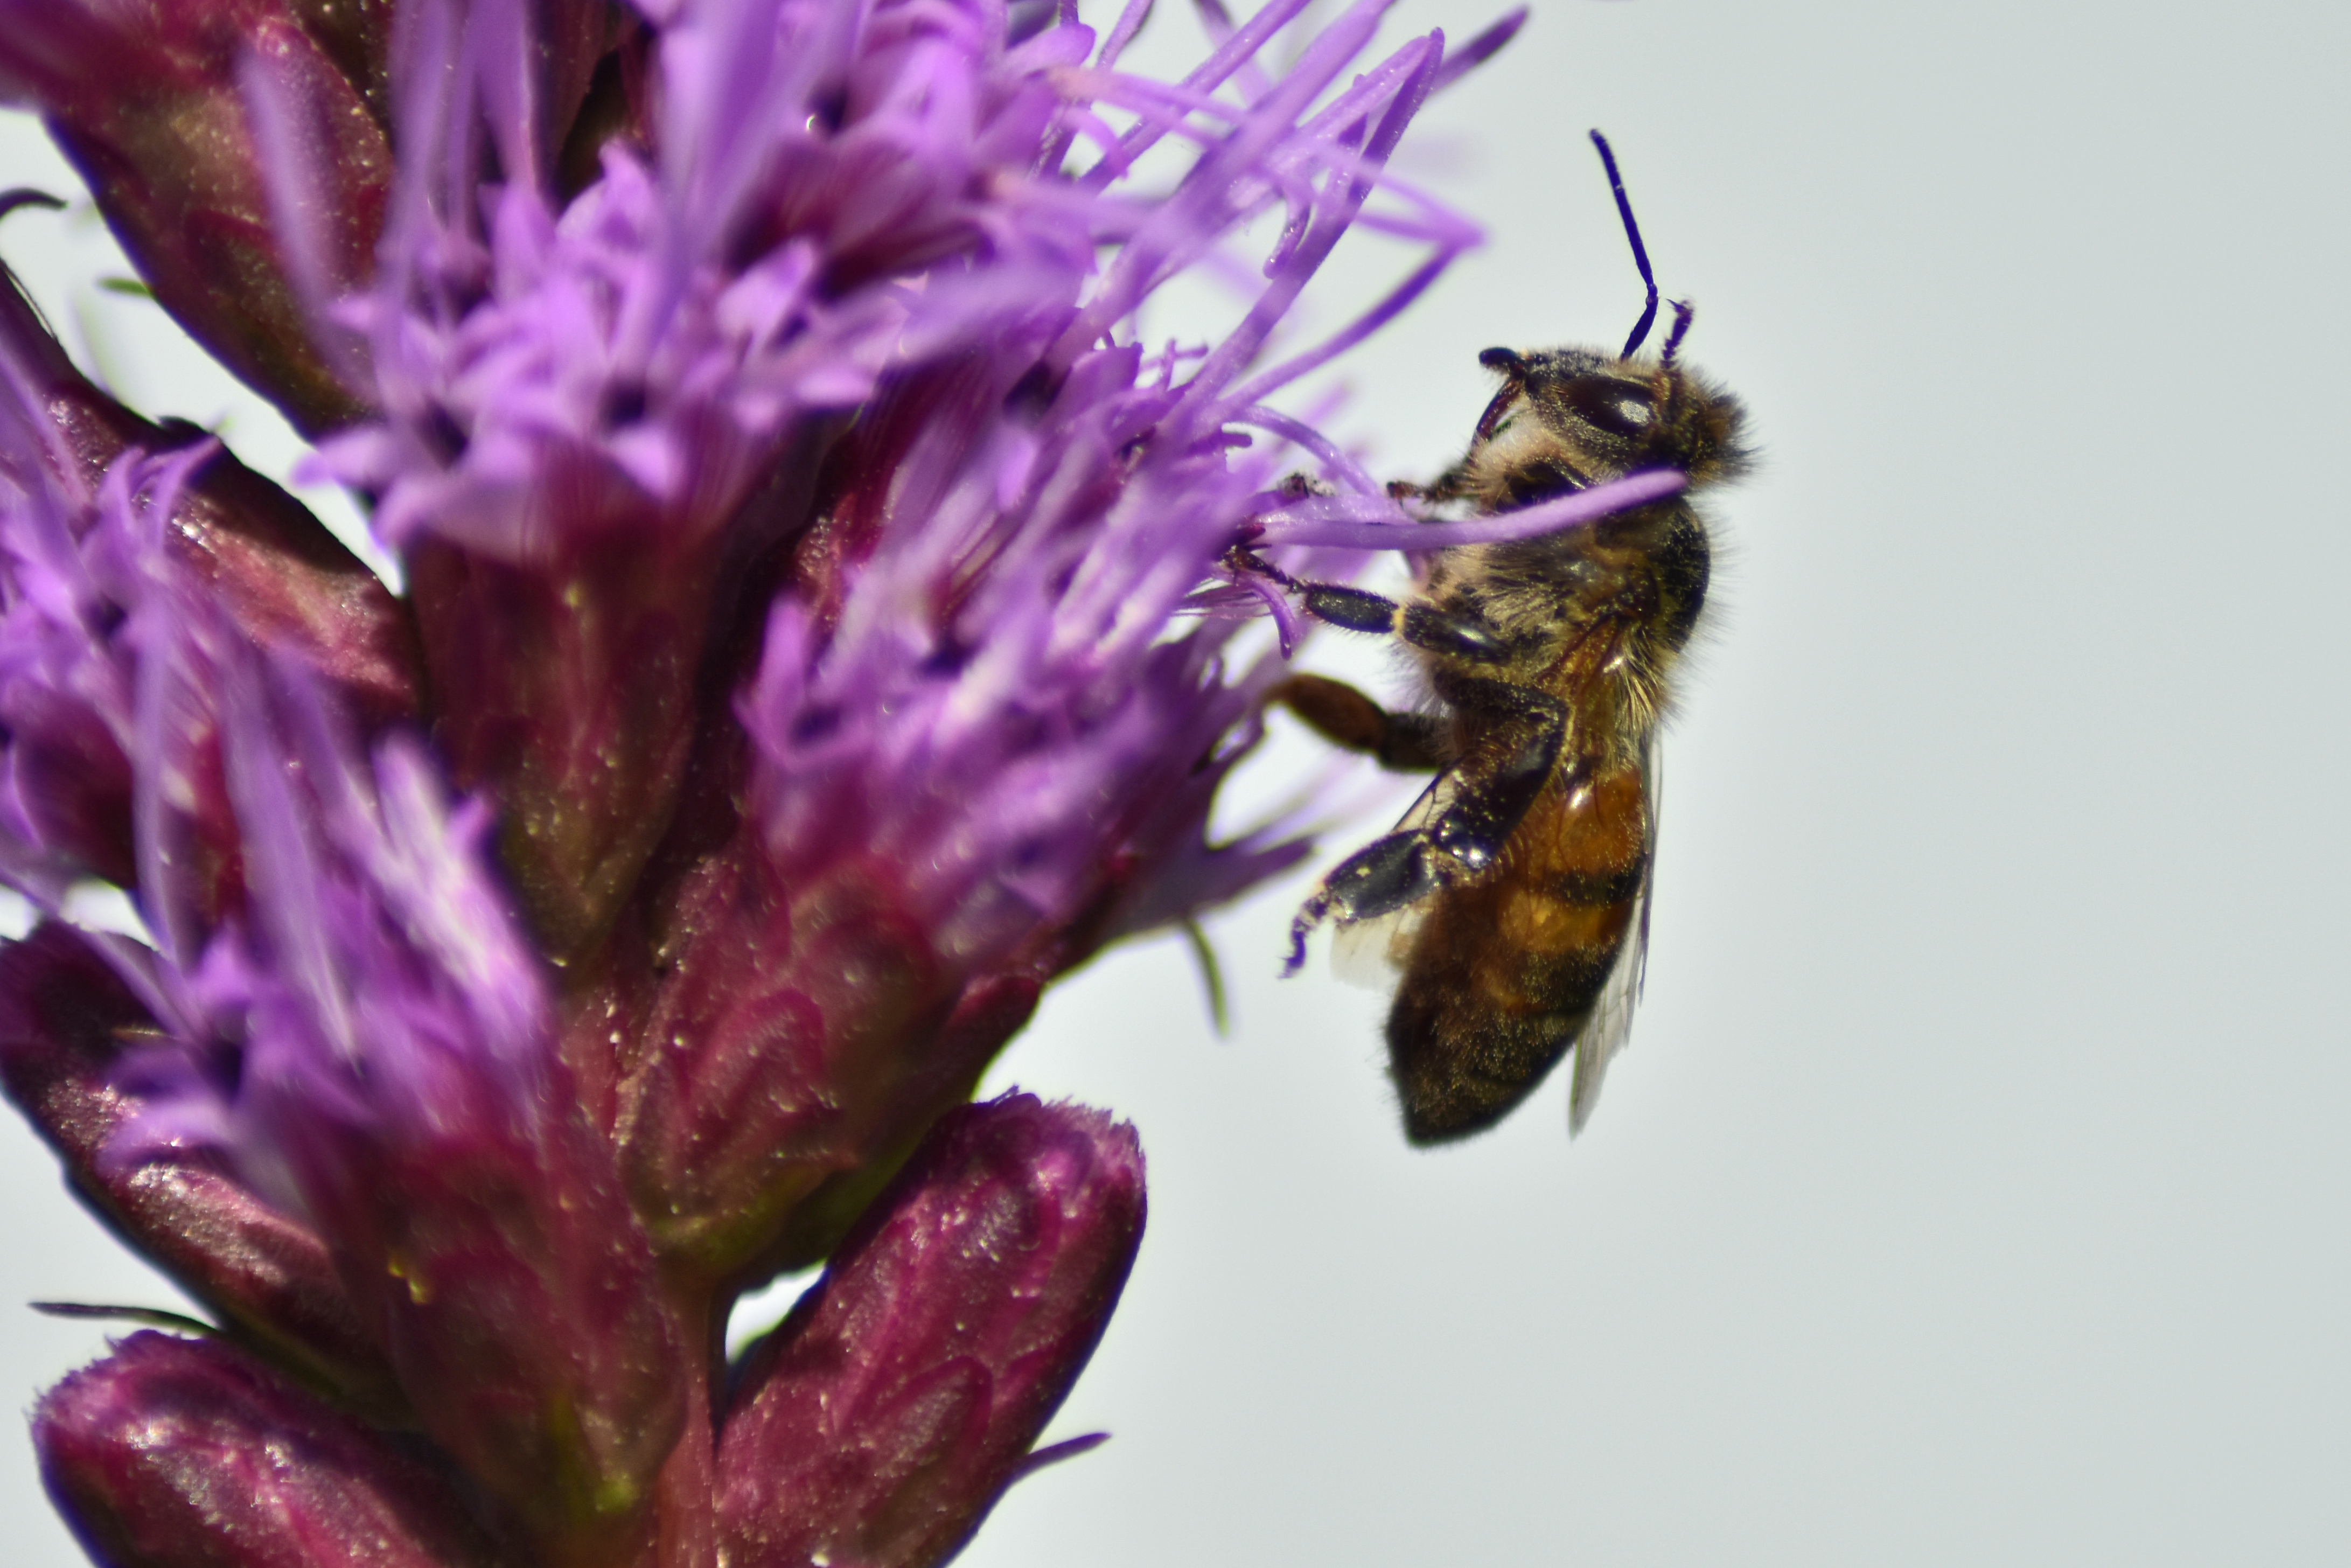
<point>1611,1024</point>
<point>1371,953</point>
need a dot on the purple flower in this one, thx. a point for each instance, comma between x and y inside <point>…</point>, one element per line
<point>817,637</point>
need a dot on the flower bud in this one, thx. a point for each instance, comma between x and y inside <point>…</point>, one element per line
<point>881,1421</point>
<point>357,36</point>
<point>941,1074</point>
<point>151,104</point>
<point>516,1299</point>
<point>567,698</point>
<point>65,1019</point>
<point>176,1453</point>
<point>782,1039</point>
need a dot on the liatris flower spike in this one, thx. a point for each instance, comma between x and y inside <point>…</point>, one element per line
<point>816,638</point>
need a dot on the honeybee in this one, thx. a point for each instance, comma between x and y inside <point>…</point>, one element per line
<point>1517,887</point>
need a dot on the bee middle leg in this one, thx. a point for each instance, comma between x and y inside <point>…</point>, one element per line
<point>1406,742</point>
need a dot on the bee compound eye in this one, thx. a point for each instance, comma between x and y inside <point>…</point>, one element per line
<point>1619,408</point>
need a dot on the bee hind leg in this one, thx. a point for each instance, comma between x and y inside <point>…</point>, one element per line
<point>1381,878</point>
<point>1527,730</point>
<point>1515,765</point>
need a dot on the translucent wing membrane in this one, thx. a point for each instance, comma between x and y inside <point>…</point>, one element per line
<point>1611,1024</point>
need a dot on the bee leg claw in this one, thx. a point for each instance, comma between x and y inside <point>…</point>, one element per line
<point>1297,960</point>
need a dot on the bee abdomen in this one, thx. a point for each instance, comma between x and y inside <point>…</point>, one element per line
<point>1507,971</point>
<point>1594,890</point>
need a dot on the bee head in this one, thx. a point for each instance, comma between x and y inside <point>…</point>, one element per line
<point>1567,419</point>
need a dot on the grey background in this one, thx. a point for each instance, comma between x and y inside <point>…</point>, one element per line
<point>1974,1188</point>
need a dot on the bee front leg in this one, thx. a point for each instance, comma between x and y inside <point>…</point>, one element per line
<point>1422,625</point>
<point>1360,610</point>
<point>1451,486</point>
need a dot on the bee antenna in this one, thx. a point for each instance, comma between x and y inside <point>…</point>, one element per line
<point>1682,314</point>
<point>1640,251</point>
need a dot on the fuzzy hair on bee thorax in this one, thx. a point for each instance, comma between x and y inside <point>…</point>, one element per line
<point>1599,612</point>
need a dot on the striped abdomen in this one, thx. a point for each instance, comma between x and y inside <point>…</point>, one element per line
<point>1505,971</point>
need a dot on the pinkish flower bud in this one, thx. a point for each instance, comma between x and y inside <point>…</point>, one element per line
<point>152,104</point>
<point>991,1010</point>
<point>567,687</point>
<point>65,1017</point>
<point>879,1424</point>
<point>516,1300</point>
<point>358,38</point>
<point>176,1453</point>
<point>786,1031</point>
